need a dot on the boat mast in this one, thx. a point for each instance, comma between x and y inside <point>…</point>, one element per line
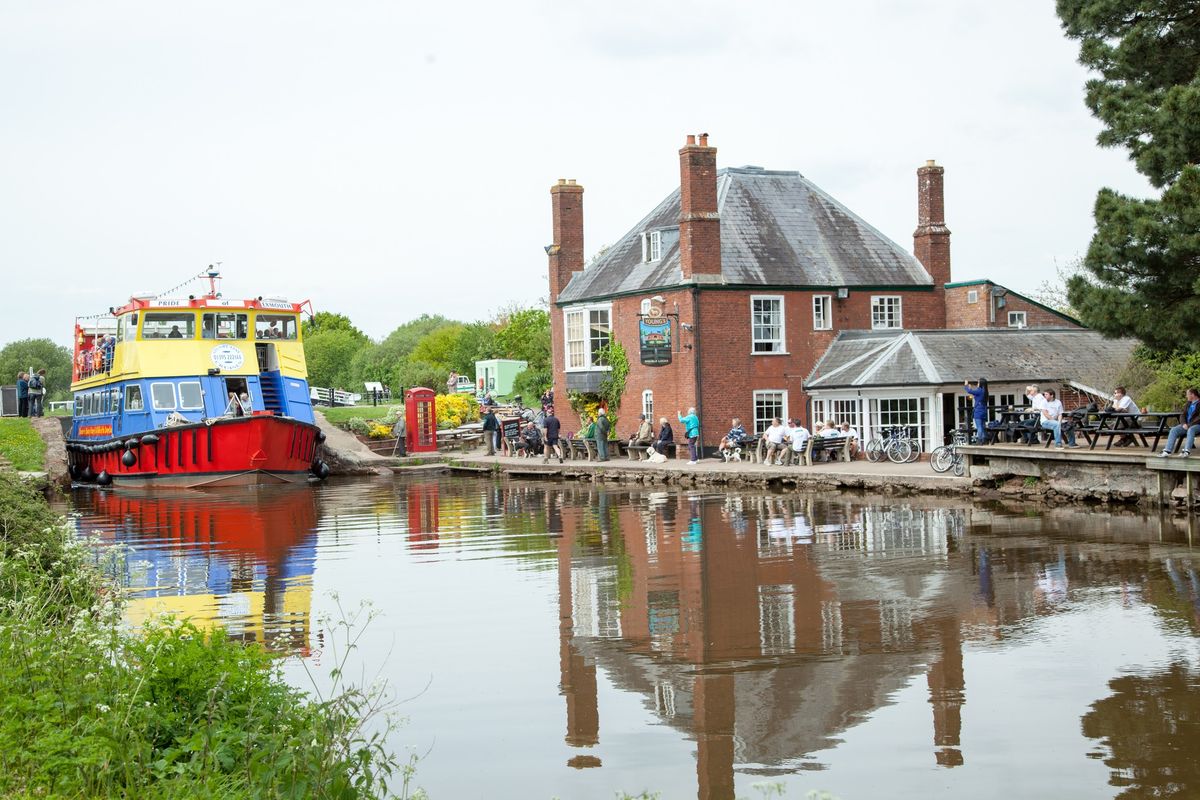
<point>214,275</point>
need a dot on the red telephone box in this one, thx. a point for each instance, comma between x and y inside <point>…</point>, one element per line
<point>420,416</point>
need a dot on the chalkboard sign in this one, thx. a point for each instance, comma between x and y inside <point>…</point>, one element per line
<point>511,428</point>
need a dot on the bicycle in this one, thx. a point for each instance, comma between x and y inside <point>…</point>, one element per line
<point>948,457</point>
<point>895,444</point>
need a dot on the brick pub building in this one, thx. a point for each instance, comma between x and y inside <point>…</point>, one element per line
<point>752,275</point>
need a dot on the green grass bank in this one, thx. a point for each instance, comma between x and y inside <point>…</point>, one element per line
<point>91,709</point>
<point>21,444</point>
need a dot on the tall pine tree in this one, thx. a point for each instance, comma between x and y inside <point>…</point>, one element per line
<point>1143,264</point>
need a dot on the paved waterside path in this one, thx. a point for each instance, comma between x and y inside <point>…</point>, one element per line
<point>859,474</point>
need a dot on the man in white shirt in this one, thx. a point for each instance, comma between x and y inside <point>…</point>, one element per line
<point>799,436</point>
<point>1052,420</point>
<point>1036,404</point>
<point>853,434</point>
<point>1122,403</point>
<point>774,436</point>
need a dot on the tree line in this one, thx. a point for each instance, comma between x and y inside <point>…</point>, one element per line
<point>423,351</point>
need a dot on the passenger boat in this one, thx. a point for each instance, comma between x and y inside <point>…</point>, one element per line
<point>193,391</point>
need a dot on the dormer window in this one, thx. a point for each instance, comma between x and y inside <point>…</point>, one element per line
<point>651,246</point>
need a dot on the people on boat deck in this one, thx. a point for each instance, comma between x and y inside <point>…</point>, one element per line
<point>238,406</point>
<point>174,334</point>
<point>206,331</point>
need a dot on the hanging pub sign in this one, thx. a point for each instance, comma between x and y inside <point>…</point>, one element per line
<point>654,333</point>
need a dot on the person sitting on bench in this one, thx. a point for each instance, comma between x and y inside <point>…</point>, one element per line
<point>1189,426</point>
<point>645,432</point>
<point>798,435</point>
<point>1122,403</point>
<point>530,443</point>
<point>733,439</point>
<point>666,436</point>
<point>774,436</point>
<point>1052,420</point>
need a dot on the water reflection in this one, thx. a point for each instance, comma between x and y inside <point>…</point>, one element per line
<point>772,632</point>
<point>241,559</point>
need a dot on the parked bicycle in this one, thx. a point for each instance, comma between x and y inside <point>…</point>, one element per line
<point>948,457</point>
<point>894,443</point>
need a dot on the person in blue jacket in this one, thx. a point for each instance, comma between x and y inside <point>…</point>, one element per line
<point>978,391</point>
<point>691,429</point>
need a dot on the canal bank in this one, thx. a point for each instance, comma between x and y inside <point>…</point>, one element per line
<point>1129,477</point>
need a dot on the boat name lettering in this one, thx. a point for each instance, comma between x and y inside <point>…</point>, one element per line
<point>282,305</point>
<point>227,357</point>
<point>228,303</point>
<point>95,430</point>
<point>170,303</point>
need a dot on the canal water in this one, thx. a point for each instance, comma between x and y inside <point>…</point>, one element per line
<point>575,641</point>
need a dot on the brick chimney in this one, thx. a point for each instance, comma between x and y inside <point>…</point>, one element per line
<point>566,253</point>
<point>931,239</point>
<point>699,223</point>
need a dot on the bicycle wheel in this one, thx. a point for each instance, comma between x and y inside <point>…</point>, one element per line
<point>899,450</point>
<point>960,464</point>
<point>915,452</point>
<point>874,450</point>
<point>942,459</point>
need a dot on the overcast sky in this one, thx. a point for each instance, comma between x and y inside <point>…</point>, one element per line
<point>387,159</point>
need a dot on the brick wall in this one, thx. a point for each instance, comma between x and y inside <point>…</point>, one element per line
<point>961,314</point>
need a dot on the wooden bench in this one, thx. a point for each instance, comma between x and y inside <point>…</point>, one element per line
<point>838,448</point>
<point>577,447</point>
<point>641,451</point>
<point>747,446</point>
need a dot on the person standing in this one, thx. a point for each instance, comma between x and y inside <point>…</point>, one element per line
<point>37,393</point>
<point>452,383</point>
<point>978,392</point>
<point>691,429</point>
<point>1189,425</point>
<point>22,395</point>
<point>602,428</point>
<point>491,428</point>
<point>552,426</point>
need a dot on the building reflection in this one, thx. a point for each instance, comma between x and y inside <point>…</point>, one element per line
<point>764,627</point>
<point>241,560</point>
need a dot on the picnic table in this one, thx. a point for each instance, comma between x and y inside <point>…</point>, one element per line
<point>1114,423</point>
<point>1012,422</point>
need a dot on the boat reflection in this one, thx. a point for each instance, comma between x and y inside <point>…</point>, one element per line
<point>239,559</point>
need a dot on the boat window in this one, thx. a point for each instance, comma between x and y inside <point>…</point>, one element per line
<point>224,326</point>
<point>79,405</point>
<point>162,395</point>
<point>133,398</point>
<point>274,326</point>
<point>169,326</point>
<point>190,396</point>
<point>114,401</point>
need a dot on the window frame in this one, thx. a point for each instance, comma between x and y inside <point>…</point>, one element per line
<point>586,362</point>
<point>973,296</point>
<point>1024,319</point>
<point>651,247</point>
<point>782,340</point>
<point>185,336</point>
<point>179,396</point>
<point>216,316</point>
<point>648,404</point>
<point>154,400</point>
<point>825,301</point>
<point>783,408</point>
<point>897,309</point>
<point>280,316</point>
<point>133,388</point>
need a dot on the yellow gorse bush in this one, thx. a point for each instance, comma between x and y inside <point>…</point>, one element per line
<point>456,409</point>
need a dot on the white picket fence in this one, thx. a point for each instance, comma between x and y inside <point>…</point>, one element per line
<point>320,396</point>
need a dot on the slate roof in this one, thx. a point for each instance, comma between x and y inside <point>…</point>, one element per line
<point>864,359</point>
<point>778,229</point>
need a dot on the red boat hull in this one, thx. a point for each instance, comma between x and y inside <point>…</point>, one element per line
<point>228,452</point>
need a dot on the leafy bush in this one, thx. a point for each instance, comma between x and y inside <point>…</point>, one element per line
<point>88,709</point>
<point>456,409</point>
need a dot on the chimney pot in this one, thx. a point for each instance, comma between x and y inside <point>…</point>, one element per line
<point>704,140</point>
<point>930,162</point>
<point>570,181</point>
<point>562,181</point>
<point>691,140</point>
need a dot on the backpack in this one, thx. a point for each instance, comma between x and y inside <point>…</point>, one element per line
<point>35,383</point>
